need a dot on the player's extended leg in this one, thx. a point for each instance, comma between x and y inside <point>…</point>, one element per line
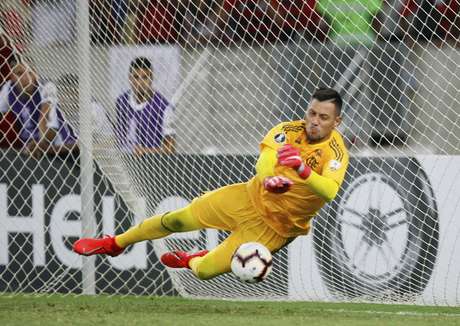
<point>218,260</point>
<point>228,208</point>
<point>159,226</point>
<point>155,227</point>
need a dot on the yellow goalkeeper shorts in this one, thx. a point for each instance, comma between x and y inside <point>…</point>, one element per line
<point>230,208</point>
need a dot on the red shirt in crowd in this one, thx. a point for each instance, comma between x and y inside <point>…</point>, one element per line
<point>255,17</point>
<point>8,131</point>
<point>156,23</point>
<point>448,10</point>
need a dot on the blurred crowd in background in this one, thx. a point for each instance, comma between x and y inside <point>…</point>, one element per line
<point>349,24</point>
<point>195,22</point>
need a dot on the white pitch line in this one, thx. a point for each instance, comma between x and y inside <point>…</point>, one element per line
<point>396,313</point>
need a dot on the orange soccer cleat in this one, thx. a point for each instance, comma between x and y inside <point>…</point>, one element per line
<point>95,246</point>
<point>180,259</point>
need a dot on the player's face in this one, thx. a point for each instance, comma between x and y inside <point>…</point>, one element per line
<point>24,79</point>
<point>141,81</point>
<point>320,120</point>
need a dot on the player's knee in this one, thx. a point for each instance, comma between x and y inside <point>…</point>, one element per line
<point>172,222</point>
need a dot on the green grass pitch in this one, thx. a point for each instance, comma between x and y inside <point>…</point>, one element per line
<point>116,310</point>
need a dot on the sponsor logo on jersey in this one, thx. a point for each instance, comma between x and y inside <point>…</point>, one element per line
<point>314,158</point>
<point>280,138</point>
<point>293,128</point>
<point>312,162</point>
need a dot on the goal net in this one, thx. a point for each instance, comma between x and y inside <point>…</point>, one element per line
<point>223,74</point>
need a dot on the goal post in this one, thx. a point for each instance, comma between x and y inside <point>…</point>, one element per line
<point>229,71</point>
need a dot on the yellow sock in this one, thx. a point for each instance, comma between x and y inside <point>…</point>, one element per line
<point>180,220</point>
<point>193,263</point>
<point>206,268</point>
<point>148,229</point>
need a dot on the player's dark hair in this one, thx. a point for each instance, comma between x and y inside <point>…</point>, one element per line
<point>140,63</point>
<point>331,95</point>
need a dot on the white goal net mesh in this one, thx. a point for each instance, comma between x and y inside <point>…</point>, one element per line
<point>224,73</point>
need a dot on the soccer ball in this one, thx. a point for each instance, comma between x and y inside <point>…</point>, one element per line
<point>251,262</point>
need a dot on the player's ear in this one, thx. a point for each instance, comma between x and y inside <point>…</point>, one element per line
<point>338,121</point>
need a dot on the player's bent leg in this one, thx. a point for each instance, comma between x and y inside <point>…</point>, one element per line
<point>181,220</point>
<point>218,260</point>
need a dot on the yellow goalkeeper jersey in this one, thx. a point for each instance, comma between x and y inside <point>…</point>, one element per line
<point>289,214</point>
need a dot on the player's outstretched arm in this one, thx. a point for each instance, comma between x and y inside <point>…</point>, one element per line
<point>265,169</point>
<point>265,166</point>
<point>324,187</point>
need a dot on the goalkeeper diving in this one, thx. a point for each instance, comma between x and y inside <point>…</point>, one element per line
<point>301,166</point>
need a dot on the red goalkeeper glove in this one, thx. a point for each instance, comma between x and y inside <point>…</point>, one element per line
<point>277,184</point>
<point>289,156</point>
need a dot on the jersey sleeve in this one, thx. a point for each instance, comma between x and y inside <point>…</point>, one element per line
<point>265,166</point>
<point>336,163</point>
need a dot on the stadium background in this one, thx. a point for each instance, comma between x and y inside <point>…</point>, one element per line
<point>227,96</point>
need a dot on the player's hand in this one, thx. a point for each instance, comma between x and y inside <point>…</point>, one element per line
<point>277,184</point>
<point>289,156</point>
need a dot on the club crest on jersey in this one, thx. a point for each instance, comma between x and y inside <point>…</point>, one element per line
<point>280,138</point>
<point>334,165</point>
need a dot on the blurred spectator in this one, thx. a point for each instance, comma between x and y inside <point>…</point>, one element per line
<point>42,125</point>
<point>343,60</point>
<point>432,20</point>
<point>158,21</point>
<point>350,21</point>
<point>68,91</point>
<point>249,20</point>
<point>351,34</point>
<point>392,84</point>
<point>199,17</point>
<point>260,21</point>
<point>389,23</point>
<point>144,116</point>
<point>15,21</point>
<point>8,130</point>
<point>298,16</point>
<point>53,21</point>
<point>108,20</point>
